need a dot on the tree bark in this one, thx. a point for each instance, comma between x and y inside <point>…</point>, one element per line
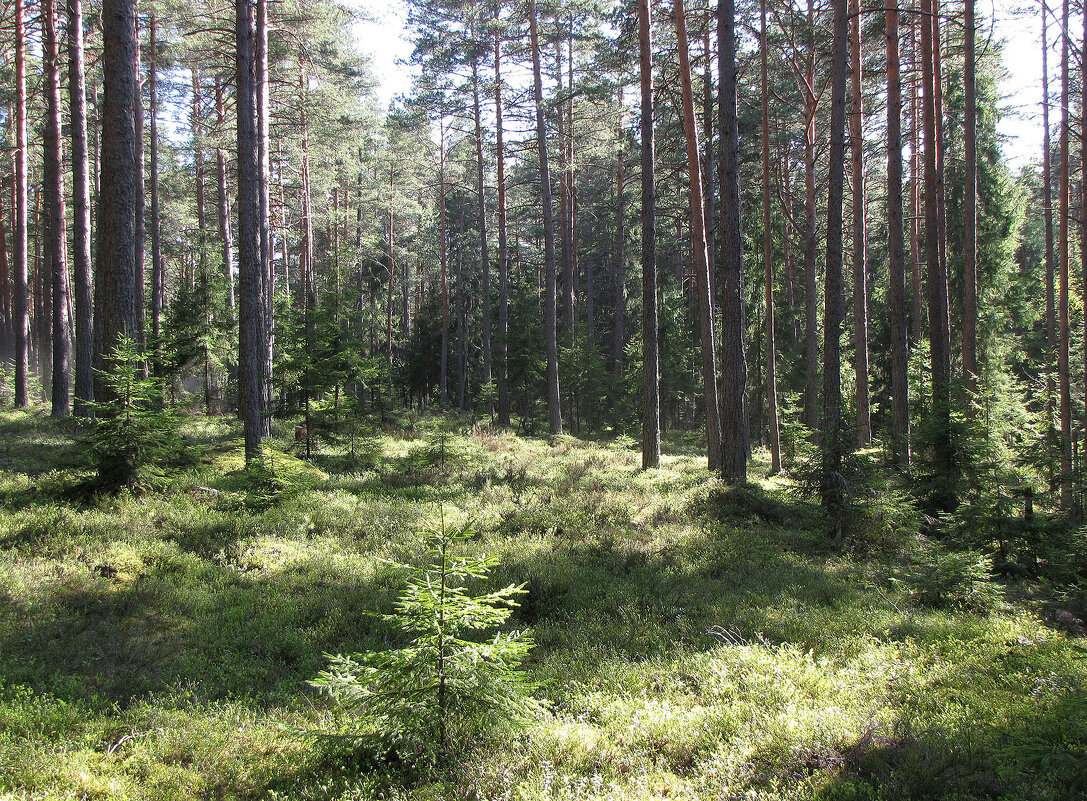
<point>251,312</point>
<point>554,408</point>
<point>707,323</point>
<point>811,242</point>
<point>443,235</point>
<point>900,403</point>
<point>860,244</point>
<point>115,267</point>
<point>735,443</point>
<point>53,178</point>
<point>1063,359</point>
<point>939,323</point>
<point>618,331</point>
<point>970,212</point>
<point>223,198</point>
<point>833,447</point>
<point>156,213</point>
<point>141,206</point>
<point>22,202</point>
<point>484,251</point>
<point>81,213</point>
<point>767,254</point>
<point>1047,202</point>
<point>503,255</point>
<point>651,433</point>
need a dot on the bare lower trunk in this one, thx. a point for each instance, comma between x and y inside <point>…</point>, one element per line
<point>503,255</point>
<point>735,445</point>
<point>900,404</point>
<point>970,213</point>
<point>767,258</point>
<point>53,179</point>
<point>22,202</point>
<point>550,322</point>
<point>81,213</point>
<point>700,266</point>
<point>833,447</point>
<point>651,434</point>
<point>251,313</point>
<point>860,244</point>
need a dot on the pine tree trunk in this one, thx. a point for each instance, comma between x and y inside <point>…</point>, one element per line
<point>939,323</point>
<point>503,255</point>
<point>484,251</point>
<point>156,220</point>
<point>81,213</point>
<point>707,323</point>
<point>443,235</point>
<point>811,322</point>
<point>554,401</point>
<point>970,213</point>
<point>22,203</point>
<point>263,103</point>
<point>618,331</point>
<point>251,312</point>
<point>141,207</point>
<point>896,257</point>
<point>767,255</point>
<point>860,244</point>
<point>1083,204</point>
<point>651,432</point>
<point>833,483</point>
<point>1063,359</point>
<point>735,440</point>
<point>223,201</point>
<point>1047,202</point>
<point>916,146</point>
<point>53,179</point>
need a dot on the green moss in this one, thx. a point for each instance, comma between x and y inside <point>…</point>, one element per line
<point>157,646</point>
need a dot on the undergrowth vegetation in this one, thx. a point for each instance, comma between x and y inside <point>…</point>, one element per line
<point>690,641</point>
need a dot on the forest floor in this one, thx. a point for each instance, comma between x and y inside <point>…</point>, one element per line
<point>158,645</point>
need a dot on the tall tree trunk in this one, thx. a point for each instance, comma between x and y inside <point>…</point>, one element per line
<point>833,483</point>
<point>618,331</point>
<point>811,322</point>
<point>141,217</point>
<point>223,198</point>
<point>7,348</point>
<point>1083,202</point>
<point>939,323</point>
<point>22,202</point>
<point>484,251</point>
<point>1062,221</point>
<point>156,219</point>
<point>916,146</point>
<point>554,401</point>
<point>651,429</point>
<point>970,213</point>
<point>503,255</point>
<point>307,255</point>
<point>735,446</point>
<point>462,315</point>
<point>860,244</point>
<point>767,254</point>
<point>707,323</point>
<point>251,313</point>
<point>81,213</point>
<point>263,103</point>
<point>900,402</point>
<point>115,266</point>
<point>1047,179</point>
<point>443,235</point>
<point>53,178</point>
<point>1047,202</point>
